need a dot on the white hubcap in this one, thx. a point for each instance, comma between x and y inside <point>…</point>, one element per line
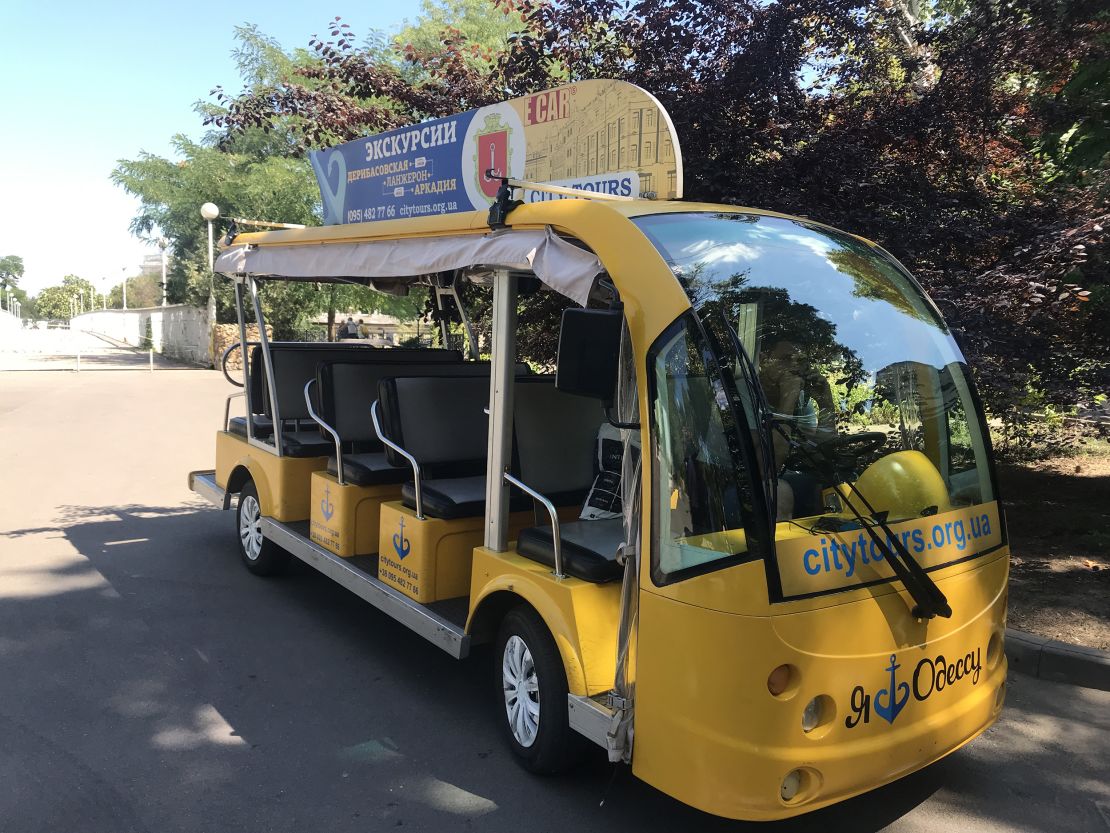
<point>250,527</point>
<point>522,691</point>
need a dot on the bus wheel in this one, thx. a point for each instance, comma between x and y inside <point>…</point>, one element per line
<point>261,557</point>
<point>532,694</point>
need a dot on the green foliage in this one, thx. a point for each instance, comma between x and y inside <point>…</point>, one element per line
<point>477,22</point>
<point>142,291</point>
<point>171,194</point>
<point>11,270</point>
<point>58,301</point>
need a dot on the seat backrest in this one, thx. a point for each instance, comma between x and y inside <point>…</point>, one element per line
<point>555,436</point>
<point>346,390</point>
<point>295,363</point>
<point>440,421</point>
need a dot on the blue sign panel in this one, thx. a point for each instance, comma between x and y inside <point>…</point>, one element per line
<point>597,135</point>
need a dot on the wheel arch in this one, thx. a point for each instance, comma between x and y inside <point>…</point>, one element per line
<point>498,598</point>
<point>245,471</point>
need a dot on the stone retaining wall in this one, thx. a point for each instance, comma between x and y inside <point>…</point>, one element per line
<point>179,331</point>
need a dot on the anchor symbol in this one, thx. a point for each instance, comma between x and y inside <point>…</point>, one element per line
<point>896,696</point>
<point>326,506</point>
<point>400,543</point>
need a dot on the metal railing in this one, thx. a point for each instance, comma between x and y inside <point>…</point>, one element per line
<point>556,535</point>
<point>412,460</point>
<point>334,434</point>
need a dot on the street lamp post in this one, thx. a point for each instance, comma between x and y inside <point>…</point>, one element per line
<point>125,287</point>
<point>210,211</point>
<point>162,244</point>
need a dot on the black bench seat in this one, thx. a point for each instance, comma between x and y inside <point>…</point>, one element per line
<point>368,469</point>
<point>589,548</point>
<point>456,497</point>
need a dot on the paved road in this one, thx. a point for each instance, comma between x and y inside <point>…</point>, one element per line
<point>148,683</point>
<point>58,349</point>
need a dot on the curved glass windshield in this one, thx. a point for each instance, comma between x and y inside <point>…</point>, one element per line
<point>869,395</point>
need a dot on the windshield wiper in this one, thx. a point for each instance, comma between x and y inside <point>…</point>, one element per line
<point>929,599</point>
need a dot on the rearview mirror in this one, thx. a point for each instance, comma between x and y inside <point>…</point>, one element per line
<point>589,349</point>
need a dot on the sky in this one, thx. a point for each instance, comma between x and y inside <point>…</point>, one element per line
<point>86,84</point>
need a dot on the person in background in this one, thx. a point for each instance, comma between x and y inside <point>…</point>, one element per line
<point>363,330</point>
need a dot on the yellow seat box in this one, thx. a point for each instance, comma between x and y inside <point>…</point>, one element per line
<point>345,517</point>
<point>430,560</point>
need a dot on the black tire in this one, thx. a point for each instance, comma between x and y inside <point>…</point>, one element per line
<point>554,746</point>
<point>260,556</point>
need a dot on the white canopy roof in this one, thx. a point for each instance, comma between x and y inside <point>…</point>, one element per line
<point>564,267</point>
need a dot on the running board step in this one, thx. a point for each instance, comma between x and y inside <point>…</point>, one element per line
<point>413,615</point>
<point>590,718</point>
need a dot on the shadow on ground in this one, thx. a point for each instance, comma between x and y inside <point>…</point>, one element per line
<point>176,687</point>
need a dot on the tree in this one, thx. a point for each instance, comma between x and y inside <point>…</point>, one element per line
<point>63,300</point>
<point>11,270</point>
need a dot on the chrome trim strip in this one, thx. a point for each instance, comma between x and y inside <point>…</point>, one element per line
<point>550,507</point>
<point>204,484</point>
<point>415,616</point>
<point>403,453</point>
<point>334,434</point>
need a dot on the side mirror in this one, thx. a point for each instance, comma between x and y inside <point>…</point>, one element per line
<point>589,350</point>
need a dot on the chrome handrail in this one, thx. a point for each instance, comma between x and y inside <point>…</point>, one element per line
<point>227,407</point>
<point>415,465</point>
<point>550,507</point>
<point>334,434</point>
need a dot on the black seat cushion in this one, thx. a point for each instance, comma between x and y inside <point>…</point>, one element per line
<point>456,497</point>
<point>263,426</point>
<point>306,444</point>
<point>370,469</point>
<point>589,548</point>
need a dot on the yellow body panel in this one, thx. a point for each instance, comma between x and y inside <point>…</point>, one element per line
<point>430,560</point>
<point>283,483</point>
<point>707,730</point>
<point>582,616</point>
<point>345,518</point>
<point>709,733</point>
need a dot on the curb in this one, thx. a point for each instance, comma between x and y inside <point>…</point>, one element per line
<point>1058,661</point>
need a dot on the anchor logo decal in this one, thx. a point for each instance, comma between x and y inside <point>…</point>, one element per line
<point>326,506</point>
<point>889,702</point>
<point>401,544</point>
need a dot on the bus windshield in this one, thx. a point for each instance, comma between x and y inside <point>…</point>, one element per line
<point>864,382</point>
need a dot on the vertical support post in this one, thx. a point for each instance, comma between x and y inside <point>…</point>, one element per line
<point>267,364</point>
<point>243,351</point>
<point>502,380</point>
<point>151,359</point>
<point>442,321</point>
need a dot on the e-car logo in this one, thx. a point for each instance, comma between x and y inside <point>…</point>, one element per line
<point>929,677</point>
<point>401,544</point>
<point>327,508</point>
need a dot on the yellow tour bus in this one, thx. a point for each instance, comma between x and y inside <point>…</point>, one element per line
<point>743,533</point>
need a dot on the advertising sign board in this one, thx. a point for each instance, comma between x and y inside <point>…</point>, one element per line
<point>597,135</point>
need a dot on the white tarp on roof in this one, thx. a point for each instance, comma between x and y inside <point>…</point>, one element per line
<point>563,266</point>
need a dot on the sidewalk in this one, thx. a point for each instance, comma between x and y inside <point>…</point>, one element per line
<point>59,349</point>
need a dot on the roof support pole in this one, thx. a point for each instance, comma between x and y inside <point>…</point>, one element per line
<point>267,363</point>
<point>242,347</point>
<point>502,379</point>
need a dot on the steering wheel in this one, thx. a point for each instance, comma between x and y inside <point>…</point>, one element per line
<point>854,444</point>
<point>223,364</point>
